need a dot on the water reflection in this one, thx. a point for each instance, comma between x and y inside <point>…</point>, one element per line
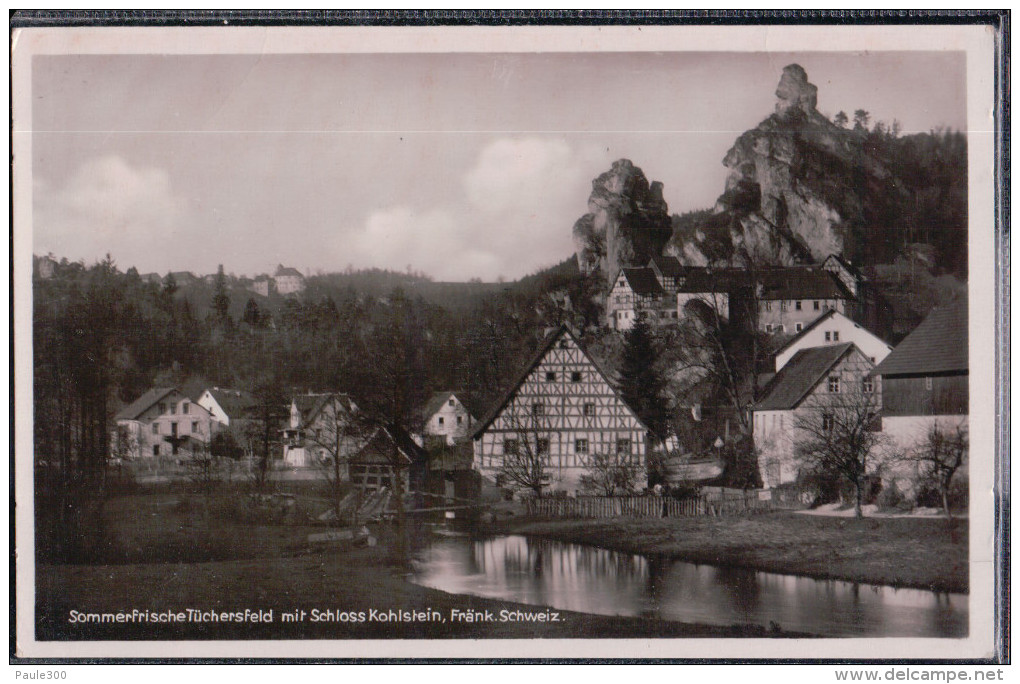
<point>591,580</point>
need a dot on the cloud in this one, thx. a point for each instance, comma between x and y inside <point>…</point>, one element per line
<point>108,205</point>
<point>518,194</point>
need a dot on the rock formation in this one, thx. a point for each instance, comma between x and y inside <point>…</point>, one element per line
<point>792,190</point>
<point>626,224</point>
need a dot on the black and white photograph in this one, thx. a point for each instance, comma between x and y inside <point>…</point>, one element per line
<point>504,341</point>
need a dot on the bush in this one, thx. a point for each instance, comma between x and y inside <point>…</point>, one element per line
<point>891,498</point>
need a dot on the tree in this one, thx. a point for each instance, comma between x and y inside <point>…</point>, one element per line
<point>525,465</point>
<point>841,119</point>
<point>253,315</point>
<point>221,301</point>
<point>641,383</point>
<point>861,119</point>
<point>835,432</point>
<point>337,430</point>
<point>607,475</point>
<point>262,429</point>
<point>939,456</point>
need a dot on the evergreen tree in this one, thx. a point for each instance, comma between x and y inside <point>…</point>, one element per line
<point>221,300</point>
<point>252,314</point>
<point>642,383</point>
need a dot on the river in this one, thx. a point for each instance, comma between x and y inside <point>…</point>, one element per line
<point>592,580</point>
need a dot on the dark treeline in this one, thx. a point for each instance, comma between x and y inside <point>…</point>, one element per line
<point>102,337</point>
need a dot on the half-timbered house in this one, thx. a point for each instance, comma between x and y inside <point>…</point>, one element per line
<point>564,408</point>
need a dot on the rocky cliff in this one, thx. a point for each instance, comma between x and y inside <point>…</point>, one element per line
<point>627,221</point>
<point>795,190</point>
<point>799,188</point>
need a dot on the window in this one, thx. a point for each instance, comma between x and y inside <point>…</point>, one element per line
<point>538,409</point>
<point>619,299</point>
<point>828,423</point>
<point>834,384</point>
<point>511,446</point>
<point>173,429</point>
<point>828,336</point>
<point>162,407</point>
<point>581,446</point>
<point>768,306</point>
<point>194,427</point>
<point>623,446</point>
<point>589,410</point>
<point>542,446</point>
<point>799,327</point>
<point>185,408</point>
<point>867,385</point>
<point>441,420</point>
<point>818,304</point>
<point>460,420</point>
<point>835,336</point>
<point>550,376</point>
<point>155,428</point>
<point>927,384</point>
<point>563,344</point>
<point>155,450</point>
<point>450,403</point>
<point>768,327</point>
<point>783,305</point>
<point>173,409</point>
<point>796,306</point>
<point>575,376</point>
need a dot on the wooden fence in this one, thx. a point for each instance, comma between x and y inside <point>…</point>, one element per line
<point>726,502</point>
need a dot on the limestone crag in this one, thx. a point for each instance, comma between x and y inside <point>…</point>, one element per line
<point>627,221</point>
<point>790,193</point>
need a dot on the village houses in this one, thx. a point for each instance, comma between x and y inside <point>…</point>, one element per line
<point>446,418</point>
<point>784,300</point>
<point>812,385</point>
<point>321,427</point>
<point>833,328</point>
<point>164,423</point>
<point>925,382</point>
<point>563,409</point>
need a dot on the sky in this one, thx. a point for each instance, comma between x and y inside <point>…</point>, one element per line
<point>456,165</point>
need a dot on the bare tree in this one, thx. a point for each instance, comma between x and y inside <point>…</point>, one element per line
<point>525,465</point>
<point>939,455</point>
<point>607,474</point>
<point>720,341</point>
<point>337,430</point>
<point>835,433</point>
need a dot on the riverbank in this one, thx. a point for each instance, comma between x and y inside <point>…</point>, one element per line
<point>901,552</point>
<point>170,553</point>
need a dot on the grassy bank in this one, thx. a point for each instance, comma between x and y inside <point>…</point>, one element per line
<point>902,552</point>
<point>170,551</point>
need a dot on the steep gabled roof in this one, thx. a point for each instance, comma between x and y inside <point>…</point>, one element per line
<point>543,349</point>
<point>311,405</point>
<point>282,270</point>
<point>814,324</point>
<point>853,270</point>
<point>379,448</point>
<point>439,399</point>
<point>828,315</point>
<point>144,403</point>
<point>235,403</point>
<point>802,282</point>
<point>642,281</point>
<point>938,345</point>
<point>805,370</point>
<point>702,279</point>
<point>668,266</point>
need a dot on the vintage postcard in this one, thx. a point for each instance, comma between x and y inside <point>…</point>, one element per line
<point>495,342</point>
